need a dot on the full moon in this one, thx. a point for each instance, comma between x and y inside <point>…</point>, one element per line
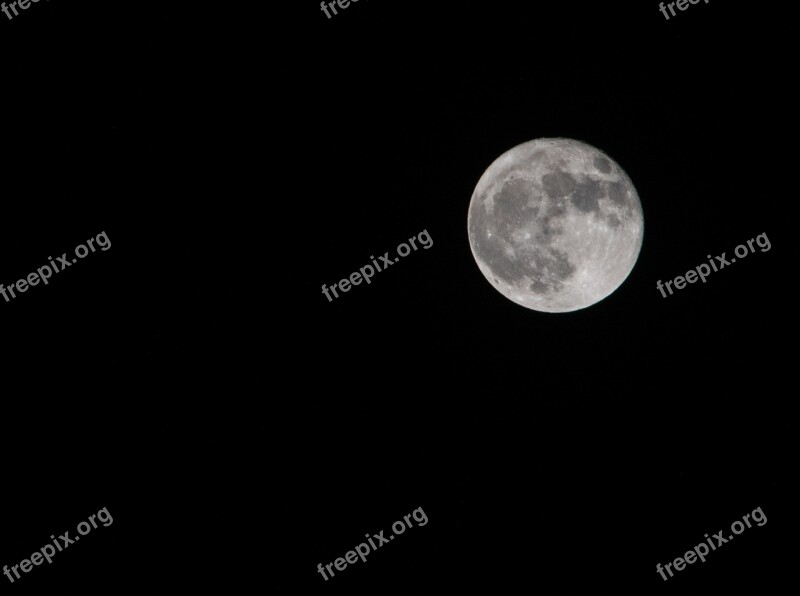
<point>555,225</point>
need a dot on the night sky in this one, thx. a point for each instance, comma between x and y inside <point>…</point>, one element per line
<point>241,428</point>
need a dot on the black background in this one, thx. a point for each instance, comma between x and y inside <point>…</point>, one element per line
<point>241,429</point>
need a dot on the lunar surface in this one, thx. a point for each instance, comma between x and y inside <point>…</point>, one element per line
<point>555,225</point>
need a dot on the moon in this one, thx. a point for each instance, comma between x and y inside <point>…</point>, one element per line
<point>555,225</point>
